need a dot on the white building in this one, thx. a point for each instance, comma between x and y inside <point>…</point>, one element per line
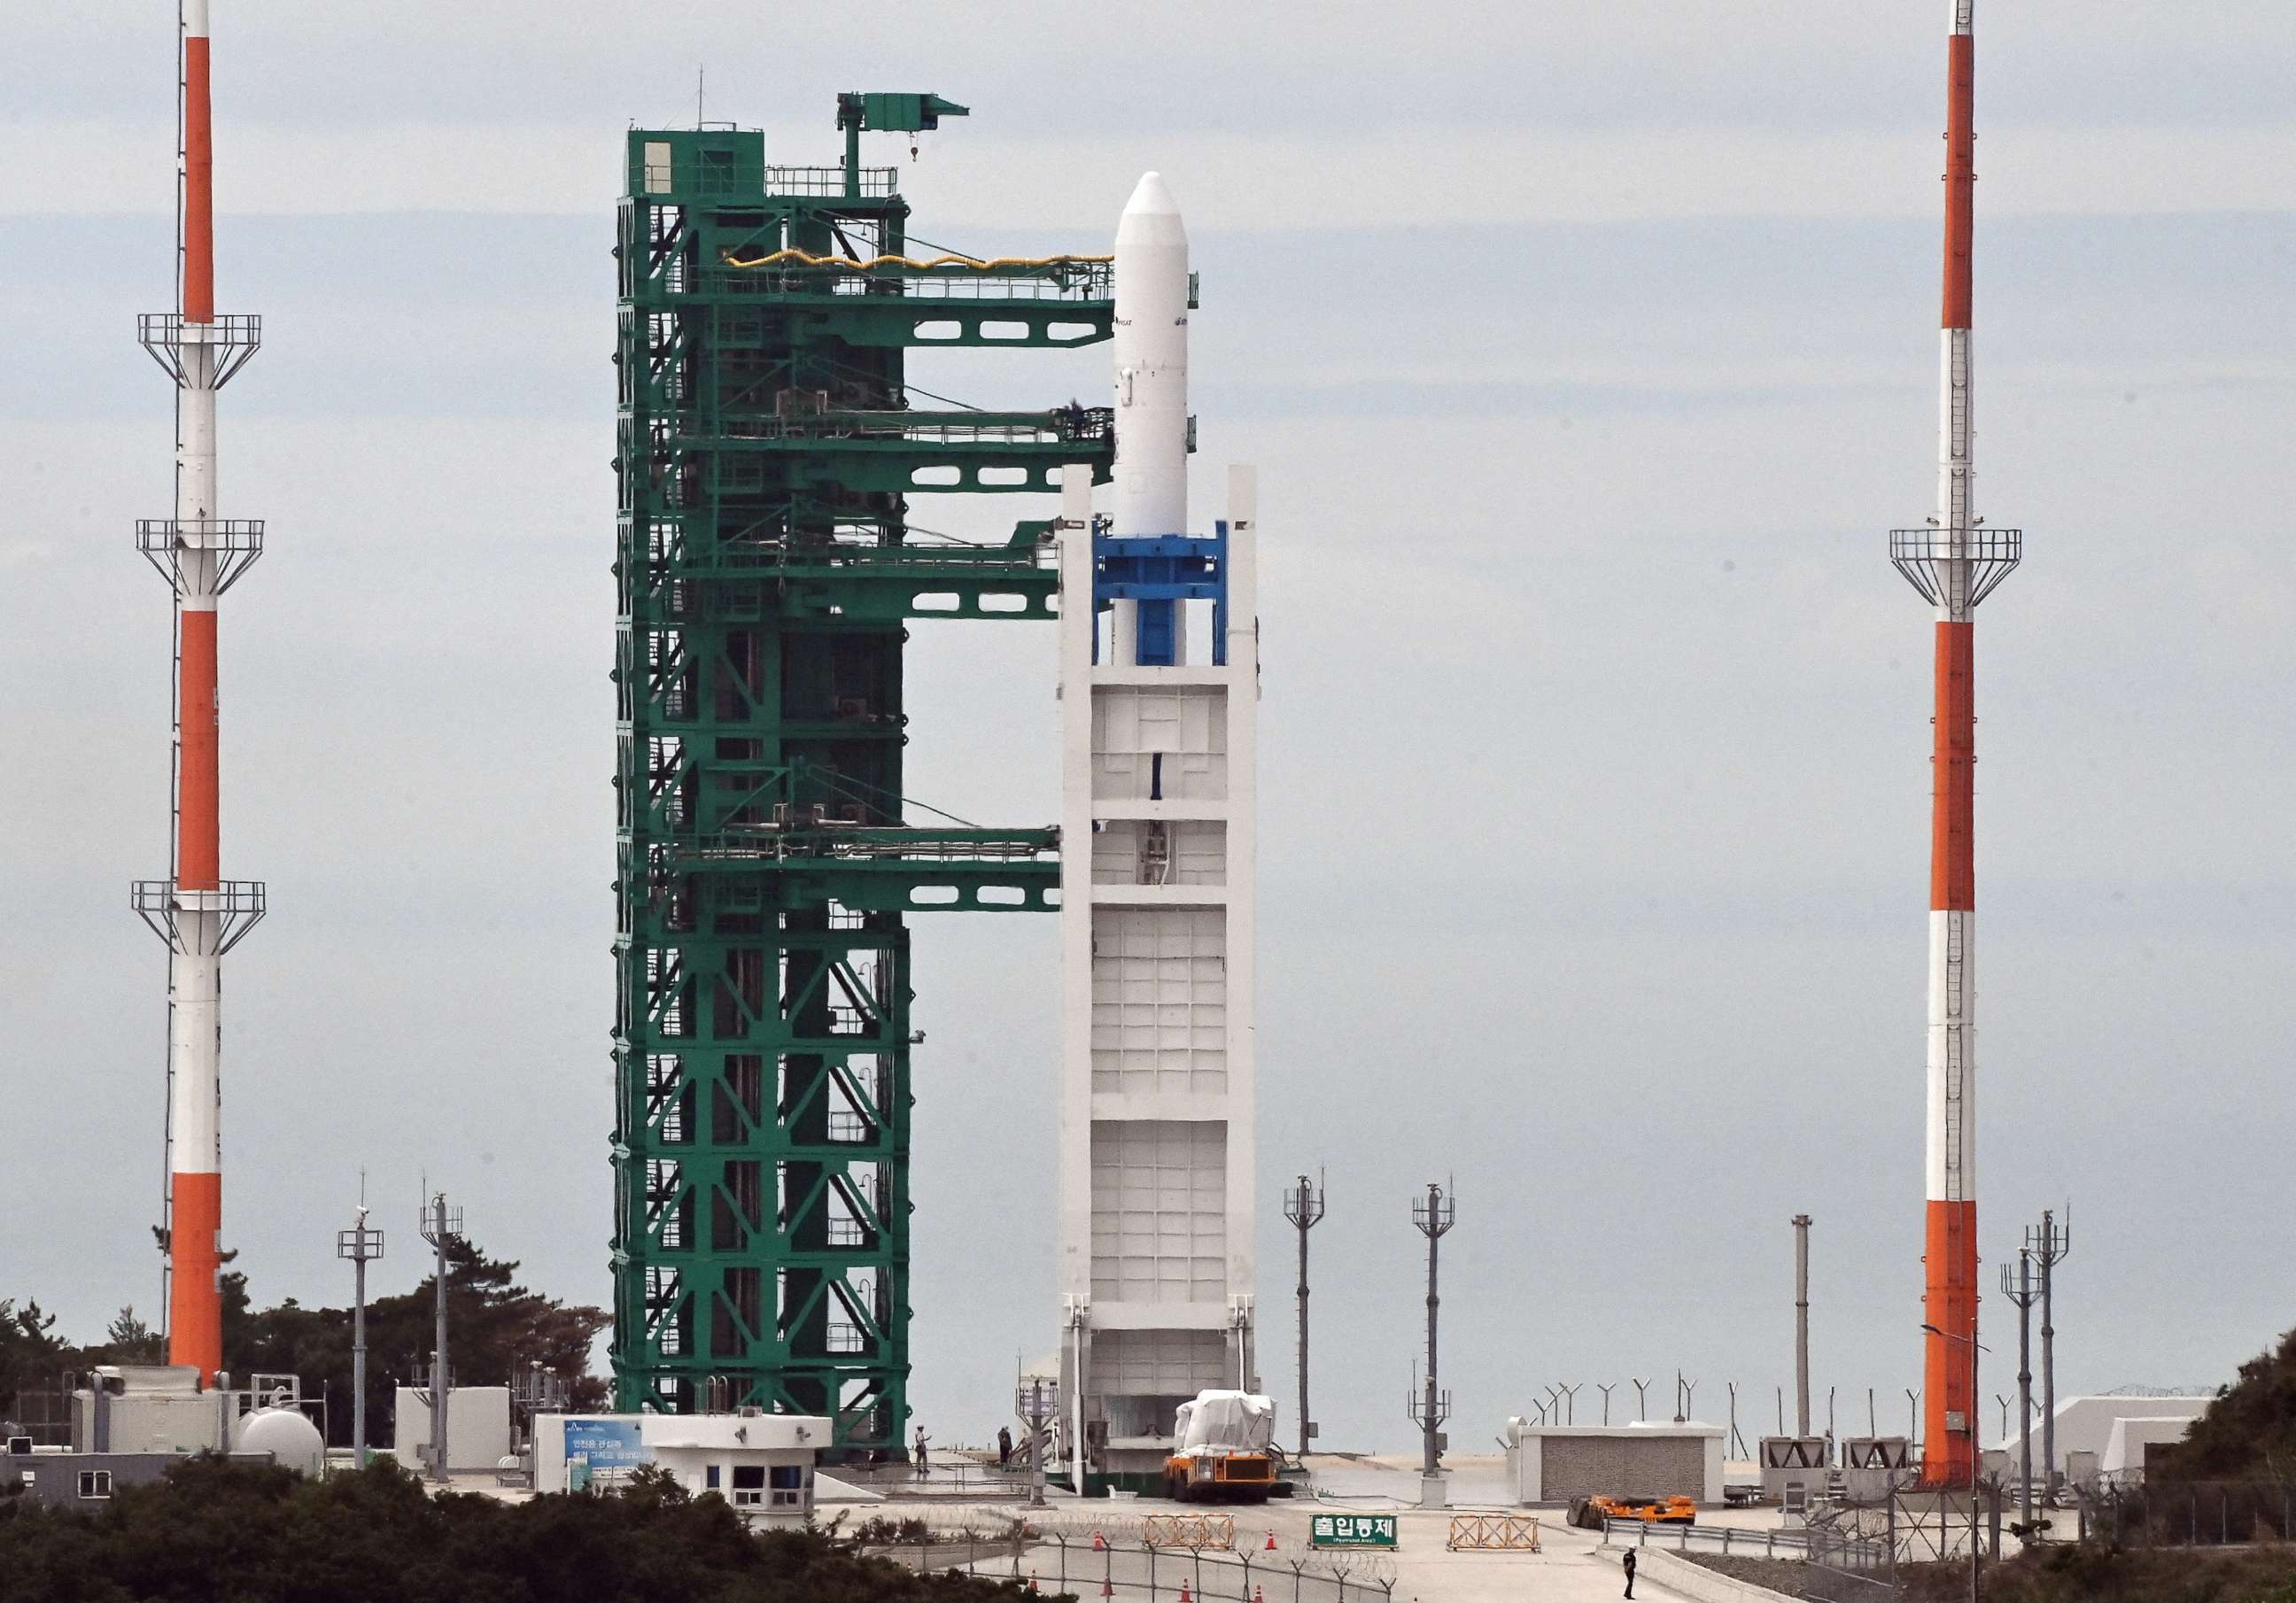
<point>2088,1425</point>
<point>763,1464</point>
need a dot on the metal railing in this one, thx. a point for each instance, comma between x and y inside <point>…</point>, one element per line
<point>829,181</point>
<point>1068,1552</point>
<point>1719,1539</point>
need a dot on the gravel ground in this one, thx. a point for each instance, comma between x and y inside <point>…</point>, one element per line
<point>1779,1575</point>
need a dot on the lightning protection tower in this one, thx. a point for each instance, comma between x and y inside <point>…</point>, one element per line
<point>199,915</point>
<point>768,855</point>
<point>1955,562</point>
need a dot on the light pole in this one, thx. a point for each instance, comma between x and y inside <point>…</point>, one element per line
<point>2021,1291</point>
<point>1434,1218</point>
<point>1037,1400</point>
<point>440,1225</point>
<point>362,1246</point>
<point>1303,1205</point>
<point>1969,1421</point>
<point>2050,1245</point>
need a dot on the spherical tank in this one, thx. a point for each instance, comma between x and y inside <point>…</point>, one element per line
<point>291,1439</point>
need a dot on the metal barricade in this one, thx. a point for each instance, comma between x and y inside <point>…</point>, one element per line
<point>1492,1533</point>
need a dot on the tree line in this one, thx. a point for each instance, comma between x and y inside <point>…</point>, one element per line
<point>258,1534</point>
<point>499,1330</point>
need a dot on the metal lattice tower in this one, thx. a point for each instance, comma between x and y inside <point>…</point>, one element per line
<point>768,858</point>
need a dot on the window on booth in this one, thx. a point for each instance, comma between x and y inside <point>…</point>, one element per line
<point>788,1485</point>
<point>749,1484</point>
<point>710,1478</point>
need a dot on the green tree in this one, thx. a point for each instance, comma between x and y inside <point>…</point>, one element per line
<point>497,1329</point>
<point>30,1353</point>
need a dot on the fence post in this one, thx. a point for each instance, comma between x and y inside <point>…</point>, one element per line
<point>1064,1561</point>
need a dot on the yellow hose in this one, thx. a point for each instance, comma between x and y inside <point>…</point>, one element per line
<point>847,264</point>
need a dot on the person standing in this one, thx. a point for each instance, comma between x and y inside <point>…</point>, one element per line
<point>1004,1447</point>
<point>1628,1563</point>
<point>925,1467</point>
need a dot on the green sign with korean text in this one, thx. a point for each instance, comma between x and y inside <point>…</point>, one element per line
<point>1351,1531</point>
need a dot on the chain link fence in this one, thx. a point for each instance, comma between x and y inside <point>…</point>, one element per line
<point>1125,1558</point>
<point>2187,1513</point>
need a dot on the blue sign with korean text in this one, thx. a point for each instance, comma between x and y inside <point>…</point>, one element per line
<point>605,1444</point>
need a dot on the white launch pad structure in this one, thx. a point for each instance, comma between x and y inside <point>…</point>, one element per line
<point>1159,783</point>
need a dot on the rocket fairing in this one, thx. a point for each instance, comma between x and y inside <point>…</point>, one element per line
<point>1150,350</point>
<point>1150,353</point>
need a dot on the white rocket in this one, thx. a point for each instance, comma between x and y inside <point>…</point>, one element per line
<point>1159,786</point>
<point>1151,353</point>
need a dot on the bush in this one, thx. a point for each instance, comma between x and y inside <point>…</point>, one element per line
<point>214,1529</point>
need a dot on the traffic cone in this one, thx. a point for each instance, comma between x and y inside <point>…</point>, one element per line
<point>1271,1542</point>
<point>1098,1546</point>
<point>1032,1583</point>
<point>1107,1587</point>
<point>1256,1598</point>
<point>1183,1592</point>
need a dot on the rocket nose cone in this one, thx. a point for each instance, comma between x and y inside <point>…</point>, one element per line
<point>1150,217</point>
<point>1149,198</point>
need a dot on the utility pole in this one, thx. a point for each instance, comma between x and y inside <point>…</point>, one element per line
<point>440,1225</point>
<point>2049,1246</point>
<point>362,1246</point>
<point>1303,1205</point>
<point>2020,1290</point>
<point>1801,1324</point>
<point>1434,1217</point>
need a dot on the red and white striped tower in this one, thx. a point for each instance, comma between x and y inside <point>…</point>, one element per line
<point>201,914</point>
<point>1955,562</point>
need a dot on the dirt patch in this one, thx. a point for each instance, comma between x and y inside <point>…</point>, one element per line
<point>1786,1576</point>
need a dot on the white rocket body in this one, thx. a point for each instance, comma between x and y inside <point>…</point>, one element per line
<point>1151,353</point>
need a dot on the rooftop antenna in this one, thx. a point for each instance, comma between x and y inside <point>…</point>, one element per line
<point>1303,1205</point>
<point>701,79</point>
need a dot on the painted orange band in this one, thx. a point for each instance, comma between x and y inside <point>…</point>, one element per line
<point>1953,773</point>
<point>199,187</point>
<point>195,1303</point>
<point>1960,177</point>
<point>1950,1245</point>
<point>197,856</point>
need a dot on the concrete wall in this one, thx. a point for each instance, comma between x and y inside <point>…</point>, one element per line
<point>1552,1464</point>
<point>54,1477</point>
<point>477,1427</point>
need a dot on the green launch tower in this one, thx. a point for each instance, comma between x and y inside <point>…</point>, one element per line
<point>767,858</point>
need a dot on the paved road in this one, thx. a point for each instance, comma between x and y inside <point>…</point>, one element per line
<point>1570,1569</point>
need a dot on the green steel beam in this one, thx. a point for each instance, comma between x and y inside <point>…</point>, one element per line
<point>766,859</point>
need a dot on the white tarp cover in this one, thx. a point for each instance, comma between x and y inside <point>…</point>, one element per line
<point>1229,1421</point>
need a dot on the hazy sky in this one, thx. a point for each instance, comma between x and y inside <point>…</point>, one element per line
<point>1586,353</point>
